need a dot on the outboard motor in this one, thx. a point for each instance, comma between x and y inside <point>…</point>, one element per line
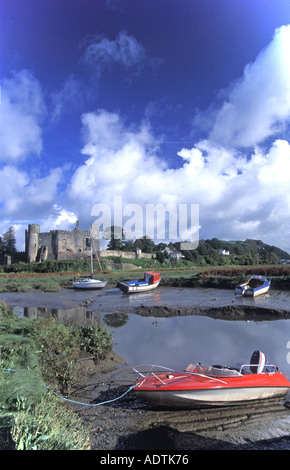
<point>257,362</point>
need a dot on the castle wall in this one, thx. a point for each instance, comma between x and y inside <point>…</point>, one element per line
<point>46,250</point>
<point>72,245</point>
<point>58,244</point>
<point>126,254</point>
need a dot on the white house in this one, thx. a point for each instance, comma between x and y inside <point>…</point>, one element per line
<point>224,252</point>
<point>176,255</point>
<point>173,254</point>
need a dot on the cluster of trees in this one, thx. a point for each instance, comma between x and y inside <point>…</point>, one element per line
<point>118,241</point>
<point>248,252</point>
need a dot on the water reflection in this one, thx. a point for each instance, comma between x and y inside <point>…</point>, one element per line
<point>116,320</point>
<point>175,342</point>
<point>79,315</point>
<point>171,342</point>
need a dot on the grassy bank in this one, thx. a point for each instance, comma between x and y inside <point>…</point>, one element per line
<point>179,276</point>
<point>37,356</point>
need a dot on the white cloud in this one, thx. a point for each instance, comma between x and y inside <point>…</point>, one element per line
<point>259,103</point>
<point>21,110</point>
<point>23,196</point>
<point>59,219</point>
<point>116,156</point>
<point>102,53</point>
<point>69,97</point>
<point>124,50</point>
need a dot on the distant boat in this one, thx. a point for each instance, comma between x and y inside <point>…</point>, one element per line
<point>84,282</point>
<point>204,386</point>
<point>88,283</point>
<point>256,285</point>
<point>150,281</point>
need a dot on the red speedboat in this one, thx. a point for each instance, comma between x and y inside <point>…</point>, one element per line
<point>200,386</point>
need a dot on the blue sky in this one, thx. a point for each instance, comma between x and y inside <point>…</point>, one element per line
<point>156,101</point>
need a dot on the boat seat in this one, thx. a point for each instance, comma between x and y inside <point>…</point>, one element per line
<point>217,366</point>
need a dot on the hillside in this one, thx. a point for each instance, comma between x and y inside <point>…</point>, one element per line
<point>248,252</point>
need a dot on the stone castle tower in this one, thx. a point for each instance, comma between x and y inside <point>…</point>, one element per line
<point>58,244</point>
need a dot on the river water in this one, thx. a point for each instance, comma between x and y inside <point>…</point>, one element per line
<point>174,341</point>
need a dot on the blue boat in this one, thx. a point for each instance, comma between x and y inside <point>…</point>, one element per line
<point>256,285</point>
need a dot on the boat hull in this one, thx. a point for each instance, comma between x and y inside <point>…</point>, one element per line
<point>150,281</point>
<point>135,288</point>
<point>246,289</point>
<point>87,284</point>
<point>210,397</point>
<point>256,292</point>
<point>200,386</point>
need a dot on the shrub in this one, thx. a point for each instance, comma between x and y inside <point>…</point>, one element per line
<point>96,340</point>
<point>56,343</point>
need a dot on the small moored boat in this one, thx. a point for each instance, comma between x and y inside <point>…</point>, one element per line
<point>256,285</point>
<point>202,386</point>
<point>150,281</point>
<point>88,283</point>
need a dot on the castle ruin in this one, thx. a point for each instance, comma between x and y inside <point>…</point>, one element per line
<point>58,244</point>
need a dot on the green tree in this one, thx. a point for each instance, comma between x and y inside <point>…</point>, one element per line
<point>9,241</point>
<point>116,236</point>
<point>129,245</point>
<point>160,256</point>
<point>145,243</point>
<point>2,246</point>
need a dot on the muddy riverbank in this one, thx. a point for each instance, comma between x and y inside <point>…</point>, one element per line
<point>229,312</point>
<point>163,302</point>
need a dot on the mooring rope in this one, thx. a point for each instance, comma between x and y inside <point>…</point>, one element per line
<point>91,404</point>
<point>77,402</point>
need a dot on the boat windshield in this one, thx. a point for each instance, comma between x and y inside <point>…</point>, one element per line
<point>213,371</point>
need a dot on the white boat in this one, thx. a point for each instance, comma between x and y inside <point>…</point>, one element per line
<point>150,281</point>
<point>88,283</point>
<point>256,285</point>
<point>84,282</point>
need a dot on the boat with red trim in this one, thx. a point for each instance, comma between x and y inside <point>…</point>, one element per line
<point>204,386</point>
<point>150,281</point>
